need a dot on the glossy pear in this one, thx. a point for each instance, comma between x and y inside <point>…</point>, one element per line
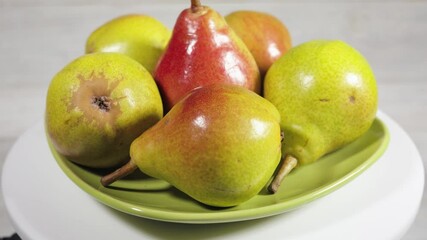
<point>266,37</point>
<point>326,94</point>
<point>220,145</point>
<point>139,36</point>
<point>203,50</point>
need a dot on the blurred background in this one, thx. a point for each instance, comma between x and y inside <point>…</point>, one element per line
<point>39,37</point>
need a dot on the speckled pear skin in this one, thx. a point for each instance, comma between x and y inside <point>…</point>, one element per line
<point>141,37</point>
<point>91,136</point>
<point>266,37</point>
<point>220,145</point>
<point>326,94</point>
<point>203,50</point>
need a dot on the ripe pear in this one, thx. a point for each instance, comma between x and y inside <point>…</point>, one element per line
<point>220,145</point>
<point>141,37</point>
<point>266,37</point>
<point>326,94</point>
<point>203,50</point>
<point>97,105</point>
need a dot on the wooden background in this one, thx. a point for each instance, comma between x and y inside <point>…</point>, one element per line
<point>39,37</point>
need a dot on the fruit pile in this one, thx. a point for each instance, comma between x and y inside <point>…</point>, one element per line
<point>242,107</point>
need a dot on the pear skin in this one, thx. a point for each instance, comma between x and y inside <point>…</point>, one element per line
<point>139,36</point>
<point>203,50</point>
<point>327,97</point>
<point>220,145</point>
<point>97,105</point>
<point>266,37</point>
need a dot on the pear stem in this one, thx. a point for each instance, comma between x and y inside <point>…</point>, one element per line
<point>195,5</point>
<point>122,172</point>
<point>288,164</point>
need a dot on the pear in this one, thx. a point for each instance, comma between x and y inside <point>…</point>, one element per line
<point>139,36</point>
<point>203,50</point>
<point>220,145</point>
<point>97,105</point>
<point>266,37</point>
<point>327,97</point>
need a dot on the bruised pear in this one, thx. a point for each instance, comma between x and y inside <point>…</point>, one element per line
<point>97,105</point>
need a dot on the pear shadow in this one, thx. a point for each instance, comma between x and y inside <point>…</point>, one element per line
<point>128,189</point>
<point>100,172</point>
<point>104,171</point>
<point>140,183</point>
<point>154,229</point>
<point>178,194</point>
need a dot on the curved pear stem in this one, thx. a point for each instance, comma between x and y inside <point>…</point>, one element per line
<point>288,164</point>
<point>195,5</point>
<point>122,172</point>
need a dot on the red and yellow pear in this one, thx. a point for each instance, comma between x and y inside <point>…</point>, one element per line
<point>203,50</point>
<point>265,35</point>
<point>220,145</point>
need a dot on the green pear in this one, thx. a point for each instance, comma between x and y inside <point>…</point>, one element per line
<point>266,37</point>
<point>141,37</point>
<point>97,105</point>
<point>220,145</point>
<point>326,94</point>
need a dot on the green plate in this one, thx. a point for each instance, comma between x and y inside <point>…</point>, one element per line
<point>155,199</point>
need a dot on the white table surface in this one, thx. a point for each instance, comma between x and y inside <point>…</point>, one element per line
<point>379,204</point>
<point>39,37</point>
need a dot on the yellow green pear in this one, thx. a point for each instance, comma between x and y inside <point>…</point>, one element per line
<point>326,94</point>
<point>141,37</point>
<point>97,105</point>
<point>220,145</point>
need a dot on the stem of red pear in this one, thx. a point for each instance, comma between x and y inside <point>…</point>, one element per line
<point>195,5</point>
